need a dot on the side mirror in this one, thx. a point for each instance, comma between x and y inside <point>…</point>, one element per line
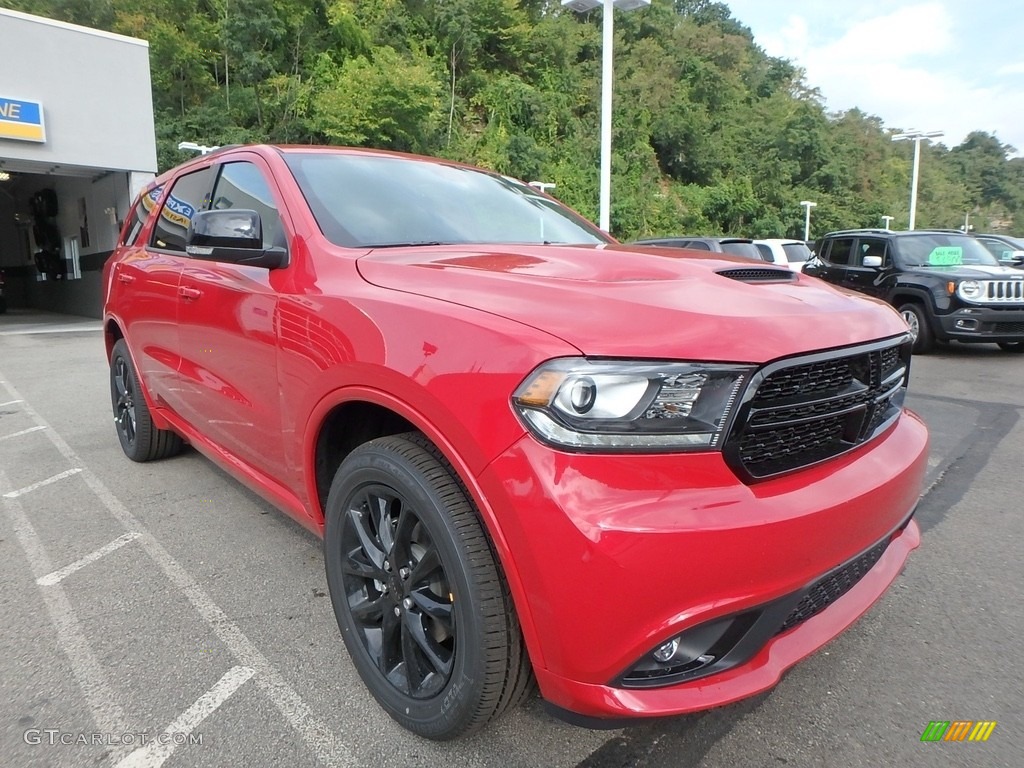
<point>234,236</point>
<point>873,262</point>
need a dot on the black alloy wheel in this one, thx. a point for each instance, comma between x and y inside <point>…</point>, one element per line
<point>420,600</point>
<point>398,592</point>
<point>140,439</point>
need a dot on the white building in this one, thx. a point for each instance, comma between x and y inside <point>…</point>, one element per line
<point>76,143</point>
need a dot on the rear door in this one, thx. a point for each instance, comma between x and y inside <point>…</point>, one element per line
<point>833,261</point>
<point>146,281</point>
<point>226,322</point>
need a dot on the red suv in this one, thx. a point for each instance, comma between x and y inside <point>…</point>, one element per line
<point>626,472</point>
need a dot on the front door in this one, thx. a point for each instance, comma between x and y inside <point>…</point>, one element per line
<point>228,340</point>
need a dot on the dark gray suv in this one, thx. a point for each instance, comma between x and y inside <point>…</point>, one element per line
<point>737,246</point>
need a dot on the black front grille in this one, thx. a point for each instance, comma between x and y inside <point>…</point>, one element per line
<point>760,275</point>
<point>1008,327</point>
<point>805,410</point>
<point>827,590</point>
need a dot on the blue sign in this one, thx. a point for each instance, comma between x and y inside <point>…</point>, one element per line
<point>22,120</point>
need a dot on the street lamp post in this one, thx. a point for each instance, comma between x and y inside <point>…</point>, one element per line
<point>608,39</point>
<point>916,137</point>
<point>807,204</point>
<point>886,220</point>
<point>191,146</point>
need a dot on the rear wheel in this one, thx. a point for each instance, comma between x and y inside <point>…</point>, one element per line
<point>917,320</point>
<point>140,440</point>
<point>1012,346</point>
<point>421,603</point>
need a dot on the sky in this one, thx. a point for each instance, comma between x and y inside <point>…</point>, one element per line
<point>934,65</point>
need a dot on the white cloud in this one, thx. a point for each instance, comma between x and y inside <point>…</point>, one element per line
<point>907,66</point>
<point>1011,69</point>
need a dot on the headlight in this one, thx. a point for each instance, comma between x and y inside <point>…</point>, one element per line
<point>638,406</point>
<point>970,290</point>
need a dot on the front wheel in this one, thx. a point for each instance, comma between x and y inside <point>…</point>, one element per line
<point>921,333</point>
<point>1012,346</point>
<point>421,603</point>
<point>140,439</point>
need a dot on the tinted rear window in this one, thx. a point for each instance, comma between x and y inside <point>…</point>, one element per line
<point>796,251</point>
<point>746,250</point>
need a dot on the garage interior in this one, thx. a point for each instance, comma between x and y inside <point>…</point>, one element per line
<point>77,143</point>
<point>58,225</point>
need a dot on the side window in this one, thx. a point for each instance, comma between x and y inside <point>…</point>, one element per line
<point>189,195</point>
<point>242,185</point>
<point>839,253</point>
<point>996,248</point>
<point>766,252</point>
<point>870,246</point>
<point>140,212</point>
<point>696,245</point>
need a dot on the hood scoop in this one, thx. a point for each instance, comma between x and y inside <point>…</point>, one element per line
<point>759,275</point>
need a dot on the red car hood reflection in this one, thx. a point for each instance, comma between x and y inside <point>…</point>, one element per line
<point>637,302</point>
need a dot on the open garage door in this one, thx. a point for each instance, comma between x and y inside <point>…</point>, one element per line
<point>57,228</point>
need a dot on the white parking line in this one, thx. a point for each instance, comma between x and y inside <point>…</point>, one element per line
<point>57,576</point>
<point>41,483</point>
<point>9,402</point>
<point>19,434</point>
<point>328,746</point>
<point>84,665</point>
<point>157,751</point>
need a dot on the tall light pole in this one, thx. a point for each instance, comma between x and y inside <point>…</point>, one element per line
<point>191,146</point>
<point>807,204</point>
<point>608,40</point>
<point>916,137</point>
<point>886,220</point>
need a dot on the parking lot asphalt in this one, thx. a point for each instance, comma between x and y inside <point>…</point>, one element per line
<point>141,600</point>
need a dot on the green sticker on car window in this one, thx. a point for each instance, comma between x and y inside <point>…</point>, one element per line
<point>946,256</point>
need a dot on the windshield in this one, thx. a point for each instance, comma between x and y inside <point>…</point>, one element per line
<point>738,248</point>
<point>796,251</point>
<point>380,201</point>
<point>940,250</point>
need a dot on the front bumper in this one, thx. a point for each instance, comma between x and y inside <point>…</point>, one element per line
<point>983,325</point>
<point>614,555</point>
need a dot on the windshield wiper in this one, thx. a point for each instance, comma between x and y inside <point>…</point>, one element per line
<point>410,244</point>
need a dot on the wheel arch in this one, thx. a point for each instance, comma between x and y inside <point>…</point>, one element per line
<point>905,295</point>
<point>383,414</point>
<point>112,333</point>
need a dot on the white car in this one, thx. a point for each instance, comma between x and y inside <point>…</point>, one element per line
<point>789,253</point>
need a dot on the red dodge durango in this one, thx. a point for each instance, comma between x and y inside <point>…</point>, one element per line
<point>645,480</point>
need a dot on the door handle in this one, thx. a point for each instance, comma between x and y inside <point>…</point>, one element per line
<point>189,293</point>
<point>122,277</point>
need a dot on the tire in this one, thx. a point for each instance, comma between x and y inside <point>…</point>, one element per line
<point>420,600</point>
<point>139,439</point>
<point>1012,346</point>
<point>916,317</point>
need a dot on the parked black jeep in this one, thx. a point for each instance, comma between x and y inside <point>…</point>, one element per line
<point>947,286</point>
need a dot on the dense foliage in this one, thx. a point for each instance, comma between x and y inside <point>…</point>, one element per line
<point>711,135</point>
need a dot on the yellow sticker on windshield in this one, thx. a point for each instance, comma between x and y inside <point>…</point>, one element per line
<point>946,256</point>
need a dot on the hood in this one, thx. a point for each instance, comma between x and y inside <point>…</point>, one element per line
<point>628,301</point>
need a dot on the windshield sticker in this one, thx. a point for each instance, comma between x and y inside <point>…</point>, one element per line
<point>946,256</point>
